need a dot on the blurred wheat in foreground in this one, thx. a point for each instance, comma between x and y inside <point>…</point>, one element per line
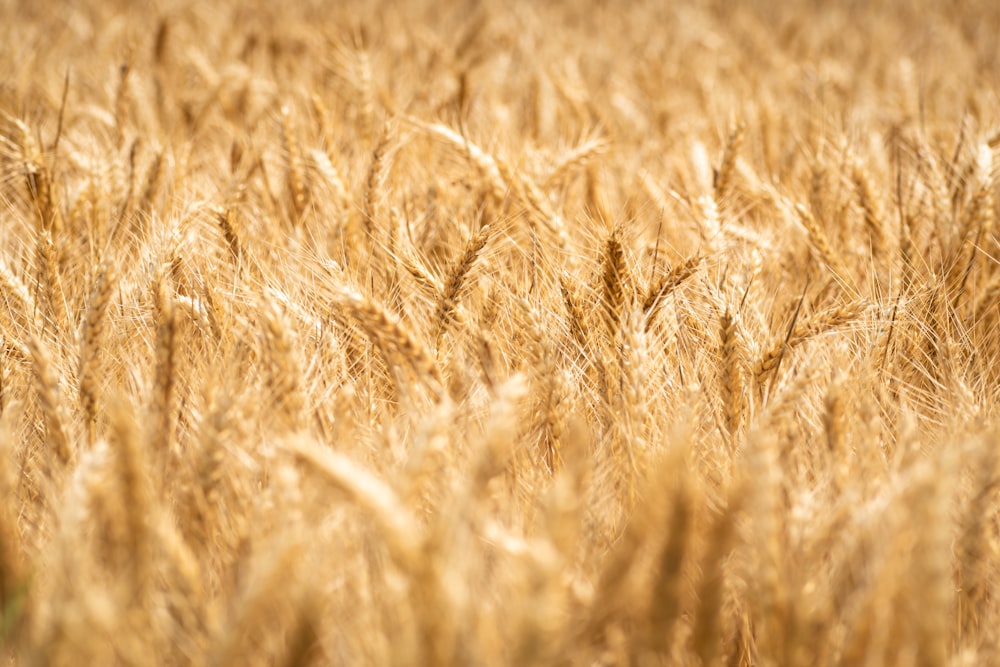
<point>569,333</point>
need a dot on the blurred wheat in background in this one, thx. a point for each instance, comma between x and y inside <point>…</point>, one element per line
<point>489,333</point>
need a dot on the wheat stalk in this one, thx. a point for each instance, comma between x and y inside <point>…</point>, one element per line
<point>93,328</point>
<point>613,279</point>
<point>389,331</point>
<point>297,185</point>
<point>457,275</point>
<point>727,167</point>
<point>49,395</point>
<point>803,330</point>
<point>165,376</point>
<point>733,364</point>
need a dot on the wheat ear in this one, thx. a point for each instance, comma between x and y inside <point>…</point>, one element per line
<point>724,176</point>
<point>667,283</point>
<point>457,276</point>
<point>93,328</point>
<point>733,364</point>
<point>47,387</point>
<point>398,526</point>
<point>378,175</point>
<point>38,180</point>
<point>122,99</point>
<point>575,315</point>
<point>705,635</point>
<point>819,240</point>
<point>137,497</point>
<point>285,368</point>
<point>165,374</point>
<point>872,209</point>
<point>396,340</point>
<point>805,329</point>
<point>297,184</point>
<point>479,157</point>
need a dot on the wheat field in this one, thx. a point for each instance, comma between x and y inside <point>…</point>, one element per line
<point>483,333</point>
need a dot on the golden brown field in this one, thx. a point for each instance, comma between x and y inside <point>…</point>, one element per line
<point>480,333</point>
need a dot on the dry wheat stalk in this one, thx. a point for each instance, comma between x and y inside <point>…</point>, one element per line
<point>666,284</point>
<point>50,284</point>
<point>872,209</point>
<point>47,386</point>
<point>227,223</point>
<point>733,363</point>
<point>38,179</point>
<point>665,605</point>
<point>536,204</point>
<point>11,560</point>
<point>136,495</point>
<point>165,377</point>
<point>297,185</point>
<point>722,535</point>
<point>285,368</point>
<point>20,306</point>
<point>549,384</point>
<point>727,167</point>
<point>389,331</point>
<point>483,161</point>
<point>614,278</point>
<point>331,175</point>
<point>93,327</point>
<point>803,330</point>
<point>975,225</point>
<point>487,431</point>
<point>819,239</point>
<point>122,101</point>
<point>378,174</point>
<point>457,275</point>
<point>577,157</point>
<point>398,527</point>
<point>575,315</point>
<point>154,180</point>
<point>973,546</point>
<point>366,87</point>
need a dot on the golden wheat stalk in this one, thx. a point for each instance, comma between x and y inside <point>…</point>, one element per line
<point>285,368</point>
<point>165,377</point>
<point>398,342</point>
<point>804,329</point>
<point>458,274</point>
<point>613,280</point>
<point>297,185</point>
<point>724,176</point>
<point>399,528</point>
<point>49,395</point>
<point>90,344</point>
<point>733,364</point>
